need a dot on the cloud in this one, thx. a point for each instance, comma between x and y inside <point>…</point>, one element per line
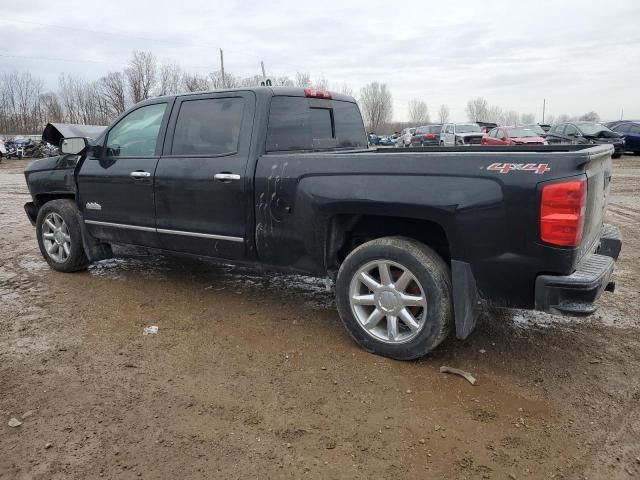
<point>578,55</point>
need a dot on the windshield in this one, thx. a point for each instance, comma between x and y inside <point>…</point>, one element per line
<point>467,128</point>
<point>522,132</point>
<point>536,128</point>
<point>592,128</point>
<point>429,129</point>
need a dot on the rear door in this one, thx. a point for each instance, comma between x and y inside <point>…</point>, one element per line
<point>201,182</point>
<point>633,138</point>
<point>115,182</point>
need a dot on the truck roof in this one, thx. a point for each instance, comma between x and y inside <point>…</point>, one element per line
<point>271,91</point>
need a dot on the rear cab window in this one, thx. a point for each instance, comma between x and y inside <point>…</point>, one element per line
<point>300,123</point>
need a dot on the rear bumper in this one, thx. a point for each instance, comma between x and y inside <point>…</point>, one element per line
<point>576,294</point>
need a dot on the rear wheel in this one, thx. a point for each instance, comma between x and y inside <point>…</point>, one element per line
<point>59,236</point>
<point>394,297</point>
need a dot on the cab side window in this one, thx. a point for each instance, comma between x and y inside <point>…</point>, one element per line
<point>208,127</point>
<point>136,135</point>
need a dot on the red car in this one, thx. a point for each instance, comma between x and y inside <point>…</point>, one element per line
<point>512,136</point>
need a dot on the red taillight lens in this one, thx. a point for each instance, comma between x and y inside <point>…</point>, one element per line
<point>310,92</point>
<point>562,213</point>
<point>429,135</point>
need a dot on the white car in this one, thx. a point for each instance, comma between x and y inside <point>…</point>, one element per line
<point>3,150</point>
<point>404,140</point>
<point>456,134</point>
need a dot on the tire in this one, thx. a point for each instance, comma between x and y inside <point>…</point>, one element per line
<point>616,155</point>
<point>431,281</point>
<point>66,252</point>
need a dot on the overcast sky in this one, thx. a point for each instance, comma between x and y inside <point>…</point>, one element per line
<point>579,55</point>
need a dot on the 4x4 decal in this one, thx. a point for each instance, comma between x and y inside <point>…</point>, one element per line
<point>538,168</point>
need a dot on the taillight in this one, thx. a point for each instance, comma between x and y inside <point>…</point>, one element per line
<point>562,212</point>
<point>429,135</point>
<point>311,92</point>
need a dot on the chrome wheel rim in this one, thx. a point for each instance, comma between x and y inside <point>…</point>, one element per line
<point>388,301</point>
<point>56,238</point>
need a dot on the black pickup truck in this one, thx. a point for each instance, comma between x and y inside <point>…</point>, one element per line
<point>416,239</point>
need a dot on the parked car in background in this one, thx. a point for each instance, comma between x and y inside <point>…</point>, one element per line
<point>3,150</point>
<point>537,129</point>
<point>426,136</point>
<point>387,141</point>
<point>585,133</point>
<point>618,122</point>
<point>373,139</point>
<point>486,127</point>
<point>545,126</point>
<point>630,132</point>
<point>404,139</point>
<point>460,134</point>
<point>512,136</point>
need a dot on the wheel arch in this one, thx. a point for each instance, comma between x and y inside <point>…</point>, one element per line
<point>347,231</point>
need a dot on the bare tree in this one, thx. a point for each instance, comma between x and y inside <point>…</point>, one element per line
<point>170,76</point>
<point>443,114</point>
<point>303,79</point>
<point>511,117</point>
<point>321,83</point>
<point>377,106</point>
<point>563,118</point>
<point>52,110</point>
<point>345,89</point>
<point>230,80</point>
<point>527,118</point>
<point>493,114</point>
<point>195,83</point>
<point>283,81</point>
<point>141,75</point>
<point>590,117</point>
<point>113,89</point>
<point>418,112</point>
<point>477,110</point>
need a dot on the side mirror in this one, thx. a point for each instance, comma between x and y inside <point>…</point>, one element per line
<point>73,145</point>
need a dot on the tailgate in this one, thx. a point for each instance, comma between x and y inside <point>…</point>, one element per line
<point>599,172</point>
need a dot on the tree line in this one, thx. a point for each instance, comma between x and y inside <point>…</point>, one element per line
<point>26,107</point>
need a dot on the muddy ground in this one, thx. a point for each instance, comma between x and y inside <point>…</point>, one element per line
<point>252,375</point>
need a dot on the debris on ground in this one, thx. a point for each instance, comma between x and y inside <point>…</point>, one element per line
<point>27,414</point>
<point>151,330</point>
<point>470,378</point>
<point>14,422</point>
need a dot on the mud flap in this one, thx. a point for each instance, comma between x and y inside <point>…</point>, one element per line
<point>466,301</point>
<point>93,249</point>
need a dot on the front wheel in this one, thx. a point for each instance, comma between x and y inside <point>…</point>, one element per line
<point>59,236</point>
<point>394,297</point>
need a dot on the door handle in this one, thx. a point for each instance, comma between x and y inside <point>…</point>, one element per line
<point>140,174</point>
<point>226,177</point>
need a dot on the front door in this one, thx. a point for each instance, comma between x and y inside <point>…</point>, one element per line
<point>116,181</point>
<point>202,187</point>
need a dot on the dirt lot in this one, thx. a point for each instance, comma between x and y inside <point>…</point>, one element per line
<point>252,375</point>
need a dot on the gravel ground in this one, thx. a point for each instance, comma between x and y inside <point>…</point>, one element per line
<point>251,375</point>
